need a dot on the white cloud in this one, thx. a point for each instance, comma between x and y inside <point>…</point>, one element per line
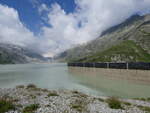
<point>35,3</point>
<point>14,32</point>
<point>11,28</point>
<point>43,7</point>
<point>89,19</point>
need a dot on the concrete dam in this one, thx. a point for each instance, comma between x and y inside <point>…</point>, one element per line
<point>132,72</point>
<point>137,65</point>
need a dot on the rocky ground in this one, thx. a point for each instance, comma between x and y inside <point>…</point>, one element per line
<point>30,99</point>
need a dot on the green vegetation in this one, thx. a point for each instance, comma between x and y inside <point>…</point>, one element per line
<point>32,96</point>
<point>31,108</point>
<point>4,59</point>
<point>145,33</point>
<point>5,106</point>
<point>79,105</point>
<point>114,103</point>
<point>44,90</point>
<point>79,94</point>
<point>125,51</point>
<point>127,103</point>
<point>97,50</point>
<point>101,100</point>
<point>34,88</point>
<point>143,99</point>
<point>52,94</point>
<point>20,86</point>
<point>144,108</point>
<point>75,92</point>
<point>31,86</point>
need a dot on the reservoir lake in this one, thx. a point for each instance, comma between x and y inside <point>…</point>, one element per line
<point>58,76</point>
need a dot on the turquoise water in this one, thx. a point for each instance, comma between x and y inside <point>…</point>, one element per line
<point>59,76</point>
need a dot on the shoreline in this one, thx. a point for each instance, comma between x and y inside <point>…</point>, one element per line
<point>31,99</point>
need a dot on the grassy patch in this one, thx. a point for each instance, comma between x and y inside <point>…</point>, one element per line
<point>125,51</point>
<point>101,100</point>
<point>142,99</point>
<point>97,99</point>
<point>20,86</point>
<point>75,92</point>
<point>52,94</point>
<point>31,108</point>
<point>45,90</point>
<point>127,103</point>
<point>79,104</point>
<point>114,103</point>
<point>5,106</point>
<point>31,86</point>
<point>32,96</point>
<point>145,33</point>
<point>144,108</point>
<point>79,94</point>
<point>148,98</point>
<point>77,107</point>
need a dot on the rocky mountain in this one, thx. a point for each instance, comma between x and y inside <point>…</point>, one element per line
<point>128,41</point>
<point>12,54</point>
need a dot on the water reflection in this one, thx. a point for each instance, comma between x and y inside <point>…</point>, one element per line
<point>112,82</point>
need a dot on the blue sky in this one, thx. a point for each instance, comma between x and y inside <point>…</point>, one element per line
<point>29,14</point>
<point>52,26</point>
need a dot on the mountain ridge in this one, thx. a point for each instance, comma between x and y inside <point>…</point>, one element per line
<point>136,29</point>
<point>13,54</point>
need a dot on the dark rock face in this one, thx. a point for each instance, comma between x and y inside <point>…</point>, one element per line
<point>135,29</point>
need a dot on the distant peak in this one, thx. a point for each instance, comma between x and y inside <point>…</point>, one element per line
<point>127,22</point>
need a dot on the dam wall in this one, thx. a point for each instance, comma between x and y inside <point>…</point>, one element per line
<point>130,65</point>
<point>119,75</point>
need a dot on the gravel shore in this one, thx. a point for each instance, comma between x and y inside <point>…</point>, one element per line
<point>30,99</point>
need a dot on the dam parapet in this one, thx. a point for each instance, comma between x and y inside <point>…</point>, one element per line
<point>109,65</point>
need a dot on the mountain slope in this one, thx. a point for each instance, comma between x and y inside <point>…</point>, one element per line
<point>135,29</point>
<point>125,51</point>
<point>10,54</point>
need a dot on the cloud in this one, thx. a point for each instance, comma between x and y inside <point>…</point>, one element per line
<point>35,3</point>
<point>86,23</point>
<point>43,7</point>
<point>12,30</point>
<point>89,19</point>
